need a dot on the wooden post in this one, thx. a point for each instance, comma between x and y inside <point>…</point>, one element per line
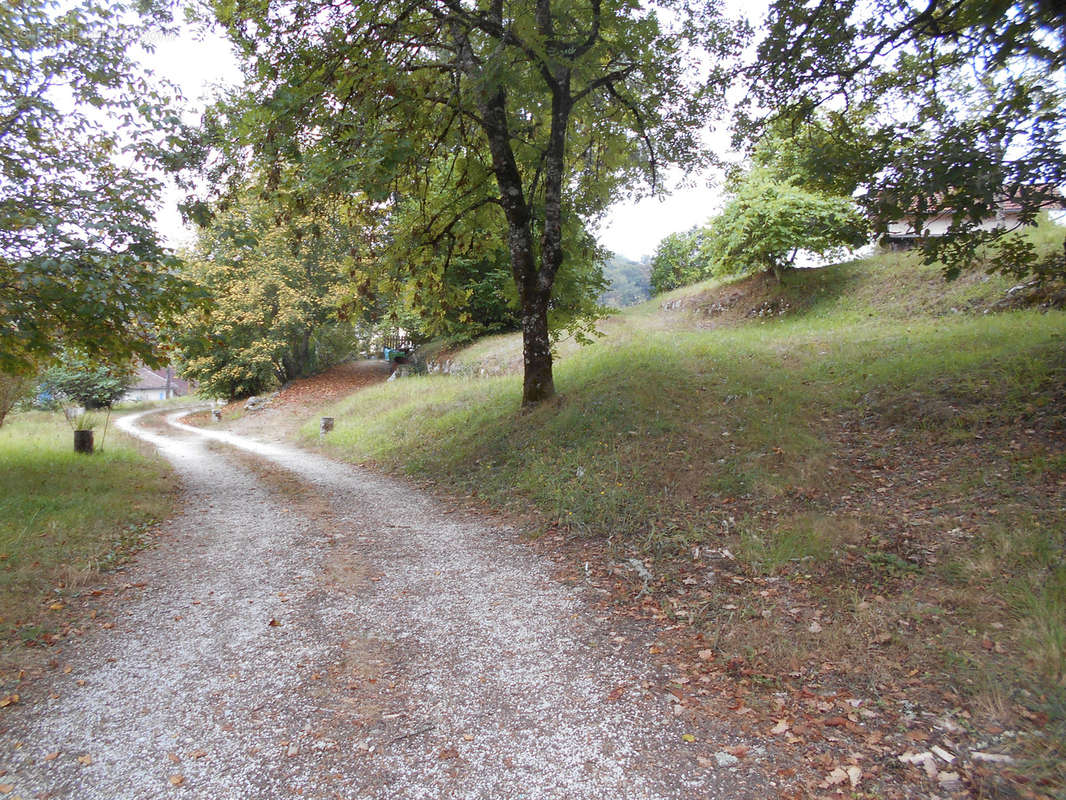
<point>325,426</point>
<point>83,441</point>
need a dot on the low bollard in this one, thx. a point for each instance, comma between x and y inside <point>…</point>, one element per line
<point>83,441</point>
<point>325,426</point>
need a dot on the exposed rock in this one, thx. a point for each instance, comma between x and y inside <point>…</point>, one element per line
<point>725,759</point>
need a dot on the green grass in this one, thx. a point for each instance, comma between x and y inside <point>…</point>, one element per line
<point>660,429</point>
<point>804,538</point>
<point>63,515</point>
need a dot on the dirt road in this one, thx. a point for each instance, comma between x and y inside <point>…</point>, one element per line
<point>305,629</point>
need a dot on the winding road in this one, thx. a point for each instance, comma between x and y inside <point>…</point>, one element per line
<point>308,629</point>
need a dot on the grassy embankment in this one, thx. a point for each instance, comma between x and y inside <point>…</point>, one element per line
<point>65,516</point>
<point>873,448</point>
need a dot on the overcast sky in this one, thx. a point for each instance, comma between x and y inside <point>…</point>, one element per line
<point>631,229</point>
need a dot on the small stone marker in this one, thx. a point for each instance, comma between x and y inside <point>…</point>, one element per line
<point>326,426</point>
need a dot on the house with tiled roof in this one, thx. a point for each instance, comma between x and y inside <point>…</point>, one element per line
<point>155,384</point>
<point>904,232</point>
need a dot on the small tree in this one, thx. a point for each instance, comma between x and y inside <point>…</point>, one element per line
<point>90,384</point>
<point>13,387</point>
<point>769,221</point>
<point>679,260</point>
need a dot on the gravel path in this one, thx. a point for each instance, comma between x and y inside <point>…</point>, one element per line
<point>306,629</point>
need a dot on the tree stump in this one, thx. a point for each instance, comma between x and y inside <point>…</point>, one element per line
<point>83,441</point>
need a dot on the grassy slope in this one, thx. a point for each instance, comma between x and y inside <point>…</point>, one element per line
<point>869,435</point>
<point>64,516</point>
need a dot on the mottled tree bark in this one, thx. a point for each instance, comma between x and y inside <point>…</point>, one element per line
<point>534,281</point>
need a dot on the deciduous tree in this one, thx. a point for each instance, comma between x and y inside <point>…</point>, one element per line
<point>277,290</point>
<point>679,260</point>
<point>80,262</point>
<point>963,101</point>
<point>522,115</point>
<point>769,221</point>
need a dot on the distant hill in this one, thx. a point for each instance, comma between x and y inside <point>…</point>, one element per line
<point>629,282</point>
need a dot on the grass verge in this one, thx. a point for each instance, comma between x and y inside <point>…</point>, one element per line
<point>65,516</point>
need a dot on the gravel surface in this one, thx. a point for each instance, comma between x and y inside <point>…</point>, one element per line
<point>306,629</point>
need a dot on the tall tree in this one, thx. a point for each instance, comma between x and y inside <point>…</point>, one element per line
<point>523,114</point>
<point>278,291</point>
<point>80,262</point>
<point>962,103</point>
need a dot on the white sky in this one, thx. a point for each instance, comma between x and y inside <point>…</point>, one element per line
<point>198,64</point>
<point>634,228</point>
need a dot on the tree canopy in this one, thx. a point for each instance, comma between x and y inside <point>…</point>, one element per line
<point>769,221</point>
<point>678,260</point>
<point>959,108</point>
<point>80,124</point>
<point>277,297</point>
<point>477,124</point>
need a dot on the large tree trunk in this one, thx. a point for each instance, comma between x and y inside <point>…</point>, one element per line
<point>534,291</point>
<point>534,284</point>
<point>538,384</point>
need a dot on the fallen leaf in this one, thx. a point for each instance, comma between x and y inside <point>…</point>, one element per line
<point>7,788</point>
<point>815,627</point>
<point>177,780</point>
<point>688,737</point>
<point>780,727</point>
<point>197,754</point>
<point>706,655</point>
<point>834,778</point>
<point>616,693</point>
<point>739,750</point>
<point>86,759</point>
<point>448,752</point>
<point>52,756</point>
<point>273,623</point>
<point>854,775</point>
<point>174,758</point>
<point>9,700</point>
<point>942,753</point>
